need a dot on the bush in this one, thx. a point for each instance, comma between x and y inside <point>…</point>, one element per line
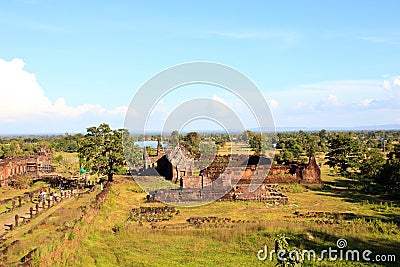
<point>21,182</point>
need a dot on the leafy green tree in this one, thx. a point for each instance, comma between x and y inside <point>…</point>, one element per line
<point>15,149</point>
<point>390,174</point>
<point>372,164</point>
<point>101,150</point>
<point>286,156</point>
<point>255,141</point>
<point>323,134</point>
<point>310,145</point>
<point>192,141</point>
<point>295,148</point>
<point>345,152</point>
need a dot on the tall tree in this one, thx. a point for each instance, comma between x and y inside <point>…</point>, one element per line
<point>345,152</point>
<point>254,140</point>
<point>372,164</point>
<point>192,142</point>
<point>101,150</point>
<point>310,144</point>
<point>286,155</point>
<point>390,174</point>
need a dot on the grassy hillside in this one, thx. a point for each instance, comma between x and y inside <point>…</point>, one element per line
<point>106,237</point>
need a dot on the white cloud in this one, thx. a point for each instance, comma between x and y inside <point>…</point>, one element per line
<point>339,103</point>
<point>20,93</point>
<point>23,99</point>
<point>387,85</point>
<point>393,85</point>
<point>396,81</point>
<point>330,101</point>
<point>366,102</point>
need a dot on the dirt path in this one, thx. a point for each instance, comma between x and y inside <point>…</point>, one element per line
<point>24,212</point>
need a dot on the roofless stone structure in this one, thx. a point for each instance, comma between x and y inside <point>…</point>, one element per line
<point>226,171</point>
<point>30,165</point>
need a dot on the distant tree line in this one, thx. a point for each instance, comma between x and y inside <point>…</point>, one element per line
<point>370,157</point>
<point>21,146</point>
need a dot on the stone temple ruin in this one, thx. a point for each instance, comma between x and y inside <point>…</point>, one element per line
<point>224,171</point>
<point>30,165</point>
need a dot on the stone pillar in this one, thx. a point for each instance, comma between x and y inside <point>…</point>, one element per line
<point>19,202</point>
<point>16,220</point>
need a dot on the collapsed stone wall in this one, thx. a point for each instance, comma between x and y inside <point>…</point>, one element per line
<point>243,172</point>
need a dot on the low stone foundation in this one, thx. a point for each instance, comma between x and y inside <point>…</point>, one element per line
<point>189,195</point>
<point>264,193</point>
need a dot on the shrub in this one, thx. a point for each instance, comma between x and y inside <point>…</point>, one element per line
<point>21,182</point>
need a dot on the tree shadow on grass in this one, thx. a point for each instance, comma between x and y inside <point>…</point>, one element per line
<point>348,190</point>
<point>320,241</point>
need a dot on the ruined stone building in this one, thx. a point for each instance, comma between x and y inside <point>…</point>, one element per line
<point>30,165</point>
<point>178,166</point>
<point>225,171</point>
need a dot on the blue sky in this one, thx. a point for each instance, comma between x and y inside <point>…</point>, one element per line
<point>67,65</point>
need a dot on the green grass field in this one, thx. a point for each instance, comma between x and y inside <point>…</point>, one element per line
<point>74,233</point>
<point>176,243</point>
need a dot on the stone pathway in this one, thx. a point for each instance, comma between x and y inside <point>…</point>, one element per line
<point>24,213</point>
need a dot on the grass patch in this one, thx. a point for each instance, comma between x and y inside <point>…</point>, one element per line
<point>106,237</point>
<point>292,188</point>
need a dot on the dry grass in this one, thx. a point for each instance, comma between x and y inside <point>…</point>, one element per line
<point>106,238</point>
<point>174,242</point>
